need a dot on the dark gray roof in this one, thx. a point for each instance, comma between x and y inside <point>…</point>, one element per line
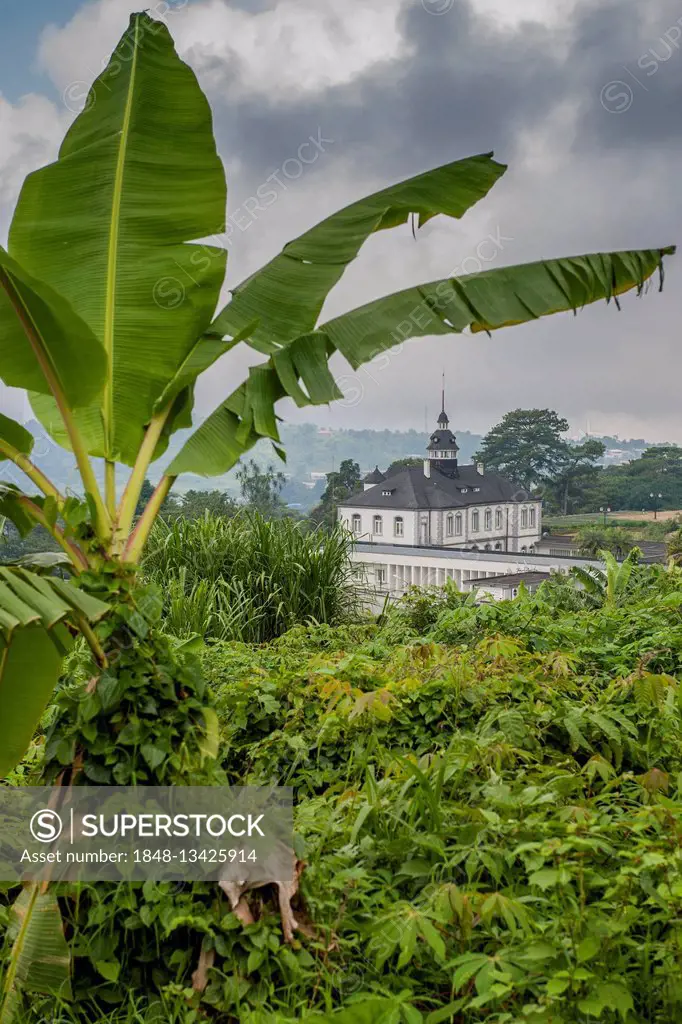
<point>375,477</point>
<point>512,579</point>
<point>652,550</point>
<point>442,440</point>
<point>410,489</point>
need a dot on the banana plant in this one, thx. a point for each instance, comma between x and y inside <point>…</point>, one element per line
<point>109,312</point>
<point>608,587</point>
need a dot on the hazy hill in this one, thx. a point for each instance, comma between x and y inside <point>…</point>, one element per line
<point>311,451</point>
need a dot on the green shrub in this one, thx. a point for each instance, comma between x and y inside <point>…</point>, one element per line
<point>249,578</point>
<point>488,811</point>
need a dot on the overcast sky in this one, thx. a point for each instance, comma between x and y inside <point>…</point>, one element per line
<point>581,99</point>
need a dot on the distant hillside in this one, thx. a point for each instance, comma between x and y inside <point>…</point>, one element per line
<point>311,451</point>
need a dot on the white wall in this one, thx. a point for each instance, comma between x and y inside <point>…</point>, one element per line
<point>410,523</point>
<point>428,527</point>
<point>421,567</point>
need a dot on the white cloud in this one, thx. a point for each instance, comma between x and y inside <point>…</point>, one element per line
<point>297,47</point>
<point>512,13</point>
<point>30,133</point>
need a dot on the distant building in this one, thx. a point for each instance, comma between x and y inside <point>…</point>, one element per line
<point>506,587</point>
<point>443,504</point>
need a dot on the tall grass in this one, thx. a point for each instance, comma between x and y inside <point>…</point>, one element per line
<point>249,578</point>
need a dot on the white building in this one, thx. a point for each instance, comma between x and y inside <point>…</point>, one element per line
<point>442,504</point>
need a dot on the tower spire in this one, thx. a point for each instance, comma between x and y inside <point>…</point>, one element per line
<point>443,420</point>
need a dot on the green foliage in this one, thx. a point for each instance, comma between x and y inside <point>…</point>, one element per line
<point>488,801</point>
<point>195,504</point>
<point>527,445</point>
<point>594,539</point>
<point>249,578</point>
<point>630,486</point>
<point>260,489</point>
<point>341,484</point>
<point>674,547</point>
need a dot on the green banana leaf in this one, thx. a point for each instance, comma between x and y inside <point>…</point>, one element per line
<point>12,509</point>
<point>45,344</point>
<point>39,960</point>
<point>34,611</point>
<point>480,302</point>
<point>287,294</point>
<point>14,436</point>
<point>109,226</point>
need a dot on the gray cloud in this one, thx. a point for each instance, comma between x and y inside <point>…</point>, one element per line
<point>582,177</point>
<point>593,154</point>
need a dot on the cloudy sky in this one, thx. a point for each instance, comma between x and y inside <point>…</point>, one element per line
<point>581,99</point>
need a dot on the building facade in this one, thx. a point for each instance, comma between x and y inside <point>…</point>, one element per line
<point>443,504</point>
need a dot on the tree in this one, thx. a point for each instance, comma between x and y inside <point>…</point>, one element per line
<point>107,308</point>
<point>146,492</point>
<point>406,463</point>
<point>195,504</point>
<point>576,470</point>
<point>341,484</point>
<point>630,486</point>
<point>261,489</point>
<point>595,539</point>
<point>526,445</point>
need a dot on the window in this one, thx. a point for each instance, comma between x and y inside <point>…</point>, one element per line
<point>398,526</point>
<point>357,524</point>
<point>477,488</point>
<point>532,517</point>
<point>487,547</point>
<point>474,521</point>
<point>498,518</point>
<point>464,489</point>
<point>381,577</point>
<point>458,524</point>
<point>498,546</point>
<point>488,519</point>
<point>524,518</point>
<point>449,525</point>
<point>377,525</point>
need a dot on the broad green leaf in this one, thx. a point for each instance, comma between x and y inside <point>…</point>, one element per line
<point>545,878</point>
<point>446,1013</point>
<point>39,960</point>
<point>485,301</point>
<point>287,294</point>
<point>588,948</point>
<point>29,668</point>
<point>14,436</point>
<point>109,226</point>
<point>33,642</point>
<point>12,508</point>
<point>45,344</point>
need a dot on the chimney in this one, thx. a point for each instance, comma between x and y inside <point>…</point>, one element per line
<point>480,469</point>
<point>427,467</point>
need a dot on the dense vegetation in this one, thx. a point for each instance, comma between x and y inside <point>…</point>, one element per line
<point>247,577</point>
<point>488,801</point>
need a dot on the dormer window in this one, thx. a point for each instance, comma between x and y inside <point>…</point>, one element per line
<point>387,494</point>
<point>477,488</point>
<point>464,490</point>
